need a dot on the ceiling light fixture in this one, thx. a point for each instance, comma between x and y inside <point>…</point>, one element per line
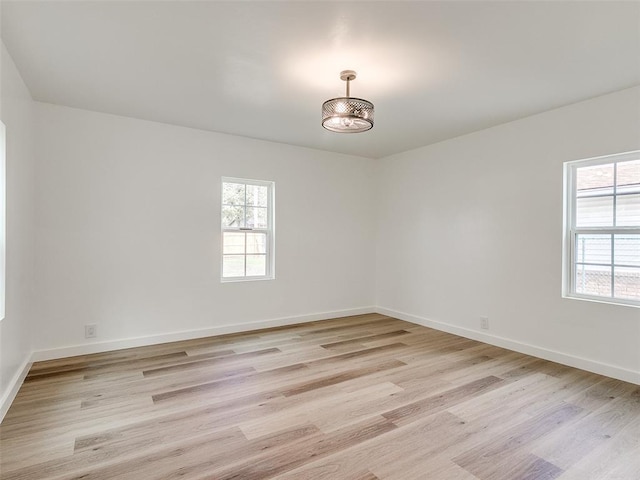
<point>347,114</point>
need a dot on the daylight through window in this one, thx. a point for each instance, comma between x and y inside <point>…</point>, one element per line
<point>603,228</point>
<point>247,229</point>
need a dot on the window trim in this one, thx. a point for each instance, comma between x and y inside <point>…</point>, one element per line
<point>269,231</point>
<point>3,220</point>
<point>570,231</point>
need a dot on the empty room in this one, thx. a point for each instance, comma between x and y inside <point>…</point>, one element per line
<point>301,240</point>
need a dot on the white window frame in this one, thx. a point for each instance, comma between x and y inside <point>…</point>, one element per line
<point>3,219</point>
<point>269,231</point>
<point>571,231</point>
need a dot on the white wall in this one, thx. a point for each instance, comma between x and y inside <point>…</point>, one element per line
<point>128,216</point>
<point>473,226</point>
<point>15,344</point>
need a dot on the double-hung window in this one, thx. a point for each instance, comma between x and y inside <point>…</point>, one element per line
<point>602,228</point>
<point>247,229</point>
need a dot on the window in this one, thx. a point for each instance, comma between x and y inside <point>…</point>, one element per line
<point>247,229</point>
<point>3,218</point>
<point>602,228</point>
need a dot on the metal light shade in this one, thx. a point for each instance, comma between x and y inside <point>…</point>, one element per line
<point>347,114</point>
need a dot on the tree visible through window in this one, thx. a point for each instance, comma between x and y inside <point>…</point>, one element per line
<point>247,229</point>
<point>603,228</point>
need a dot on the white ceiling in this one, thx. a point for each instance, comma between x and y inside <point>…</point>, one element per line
<point>434,70</point>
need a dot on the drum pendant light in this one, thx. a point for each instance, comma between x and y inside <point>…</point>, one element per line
<point>347,114</point>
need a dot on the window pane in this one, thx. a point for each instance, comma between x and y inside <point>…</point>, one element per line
<point>627,250</point>
<point>594,212</point>
<point>232,193</point>
<point>594,180</point>
<point>627,283</point>
<point>233,265</point>
<point>256,243</point>
<point>628,210</point>
<point>257,195</point>
<point>628,177</point>
<point>233,243</point>
<point>257,217</point>
<point>256,265</point>
<point>593,249</point>
<point>232,216</point>
<point>593,280</point>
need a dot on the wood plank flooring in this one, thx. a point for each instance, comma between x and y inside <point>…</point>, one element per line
<point>358,398</point>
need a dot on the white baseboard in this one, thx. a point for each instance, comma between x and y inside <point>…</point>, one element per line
<point>546,354</point>
<point>99,347</point>
<point>12,390</point>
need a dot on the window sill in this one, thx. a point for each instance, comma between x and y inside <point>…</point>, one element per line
<point>614,301</point>
<point>245,279</point>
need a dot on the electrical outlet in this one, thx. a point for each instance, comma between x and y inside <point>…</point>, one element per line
<point>484,323</point>
<point>90,331</point>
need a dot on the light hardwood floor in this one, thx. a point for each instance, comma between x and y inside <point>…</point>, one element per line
<point>359,398</point>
